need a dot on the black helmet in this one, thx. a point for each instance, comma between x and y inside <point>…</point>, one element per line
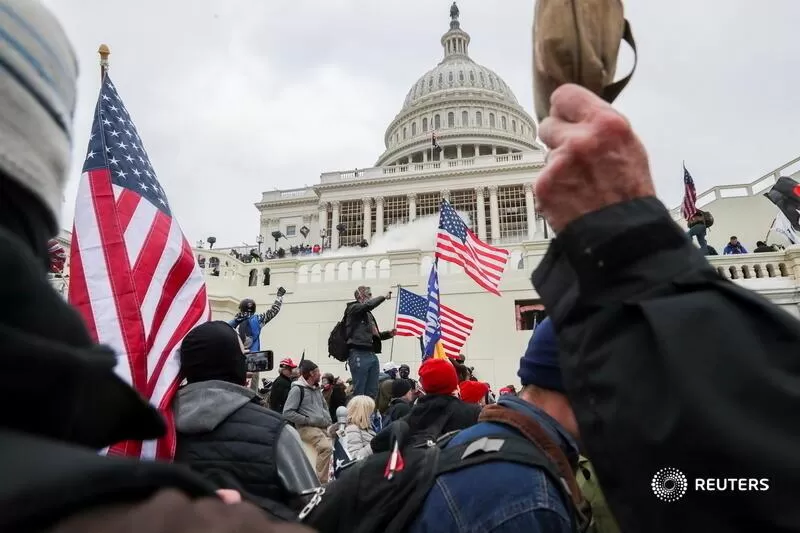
<point>404,367</point>
<point>247,306</point>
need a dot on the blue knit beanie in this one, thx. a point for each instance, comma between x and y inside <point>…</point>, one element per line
<point>539,366</point>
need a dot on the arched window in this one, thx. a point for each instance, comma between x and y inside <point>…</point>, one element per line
<point>414,128</point>
<point>514,126</point>
<point>491,82</point>
<point>450,77</point>
<point>396,138</point>
<point>483,80</point>
<point>503,123</point>
<point>425,124</point>
<point>266,276</point>
<point>451,119</point>
<point>201,261</point>
<point>479,119</point>
<point>404,131</point>
<point>472,77</point>
<point>437,122</point>
<point>464,118</point>
<point>441,80</point>
<point>253,278</point>
<point>492,123</point>
<point>461,76</point>
<point>430,83</point>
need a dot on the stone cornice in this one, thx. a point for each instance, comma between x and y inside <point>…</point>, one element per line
<point>435,174</point>
<point>287,202</point>
<point>496,135</point>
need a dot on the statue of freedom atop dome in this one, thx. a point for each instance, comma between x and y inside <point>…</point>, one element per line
<point>454,12</point>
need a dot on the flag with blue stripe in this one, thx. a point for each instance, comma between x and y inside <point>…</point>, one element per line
<point>433,324</point>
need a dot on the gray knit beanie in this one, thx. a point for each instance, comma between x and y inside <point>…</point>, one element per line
<point>38,72</point>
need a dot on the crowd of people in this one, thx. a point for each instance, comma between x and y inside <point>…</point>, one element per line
<point>649,362</point>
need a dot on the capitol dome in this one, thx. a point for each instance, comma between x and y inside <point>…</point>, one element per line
<point>469,109</point>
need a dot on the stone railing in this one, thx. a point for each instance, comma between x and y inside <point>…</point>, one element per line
<point>758,186</point>
<point>291,194</point>
<point>757,266</point>
<point>432,166</point>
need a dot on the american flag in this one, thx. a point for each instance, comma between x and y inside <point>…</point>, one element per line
<point>457,244</point>
<point>411,318</point>
<point>689,207</point>
<point>434,143</point>
<point>133,274</point>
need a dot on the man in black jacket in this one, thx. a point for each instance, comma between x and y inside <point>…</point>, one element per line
<point>666,364</point>
<point>225,434</point>
<point>364,339</point>
<point>280,387</point>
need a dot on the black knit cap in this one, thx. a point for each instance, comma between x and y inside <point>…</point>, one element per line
<point>212,351</point>
<point>400,388</point>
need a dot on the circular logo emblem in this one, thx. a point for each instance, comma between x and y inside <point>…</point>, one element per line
<point>669,484</point>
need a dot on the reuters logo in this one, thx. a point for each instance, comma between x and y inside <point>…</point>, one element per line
<point>669,484</point>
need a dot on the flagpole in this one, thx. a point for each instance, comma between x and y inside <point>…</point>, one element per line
<point>394,323</point>
<point>104,52</point>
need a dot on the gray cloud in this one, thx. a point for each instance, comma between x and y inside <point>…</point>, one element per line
<point>240,96</point>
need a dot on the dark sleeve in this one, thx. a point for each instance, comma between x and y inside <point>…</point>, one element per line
<point>386,335</point>
<point>272,312</point>
<point>400,410</point>
<point>277,397</point>
<point>667,364</point>
<point>380,443</point>
<point>358,308</point>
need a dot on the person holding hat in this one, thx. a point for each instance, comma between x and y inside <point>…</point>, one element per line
<point>541,416</point>
<point>306,409</point>
<point>436,413</point>
<point>226,435</point>
<point>281,385</point>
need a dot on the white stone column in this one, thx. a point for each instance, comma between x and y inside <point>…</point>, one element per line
<point>477,150</point>
<point>425,156</point>
<point>458,151</point>
<point>530,210</point>
<point>378,215</point>
<point>494,213</point>
<point>322,220</point>
<point>480,209</point>
<point>412,206</point>
<point>367,201</point>
<point>494,150</point>
<point>334,236</point>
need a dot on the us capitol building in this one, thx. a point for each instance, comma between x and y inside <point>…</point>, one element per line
<point>485,163</point>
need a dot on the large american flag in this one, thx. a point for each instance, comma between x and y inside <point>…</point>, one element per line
<point>411,319</point>
<point>456,243</point>
<point>689,206</point>
<point>133,274</point>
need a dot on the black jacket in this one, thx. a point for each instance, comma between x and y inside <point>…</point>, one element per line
<point>398,408</point>
<point>429,418</point>
<point>228,437</point>
<point>48,448</point>
<point>279,392</point>
<point>335,398</point>
<point>668,365</point>
<point>361,325</point>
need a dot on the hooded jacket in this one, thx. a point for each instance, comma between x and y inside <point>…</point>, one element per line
<point>227,436</point>
<point>305,406</point>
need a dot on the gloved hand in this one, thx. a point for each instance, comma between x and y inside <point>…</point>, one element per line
<point>281,291</point>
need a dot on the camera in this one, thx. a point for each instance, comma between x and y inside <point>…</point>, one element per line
<point>260,361</point>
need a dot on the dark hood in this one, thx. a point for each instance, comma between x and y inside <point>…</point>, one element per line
<point>201,407</point>
<point>49,364</point>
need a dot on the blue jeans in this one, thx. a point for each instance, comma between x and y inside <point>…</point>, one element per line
<point>364,366</point>
<point>699,231</point>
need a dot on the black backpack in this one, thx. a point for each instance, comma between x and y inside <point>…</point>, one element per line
<point>364,500</point>
<point>337,341</point>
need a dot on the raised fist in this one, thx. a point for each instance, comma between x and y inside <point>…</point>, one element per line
<point>281,291</point>
<point>595,158</point>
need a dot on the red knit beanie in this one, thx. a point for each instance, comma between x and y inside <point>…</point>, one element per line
<point>473,391</point>
<point>438,376</point>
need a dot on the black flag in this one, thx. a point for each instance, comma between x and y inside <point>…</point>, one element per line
<point>786,195</point>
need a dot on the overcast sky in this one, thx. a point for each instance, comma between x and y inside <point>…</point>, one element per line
<point>235,97</point>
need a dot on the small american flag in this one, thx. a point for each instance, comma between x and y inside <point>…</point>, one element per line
<point>456,243</point>
<point>133,274</point>
<point>689,207</point>
<point>411,316</point>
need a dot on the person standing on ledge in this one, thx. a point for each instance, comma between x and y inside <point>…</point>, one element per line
<point>364,340</point>
<point>248,324</point>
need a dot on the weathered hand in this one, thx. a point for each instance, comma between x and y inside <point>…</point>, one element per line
<point>595,159</point>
